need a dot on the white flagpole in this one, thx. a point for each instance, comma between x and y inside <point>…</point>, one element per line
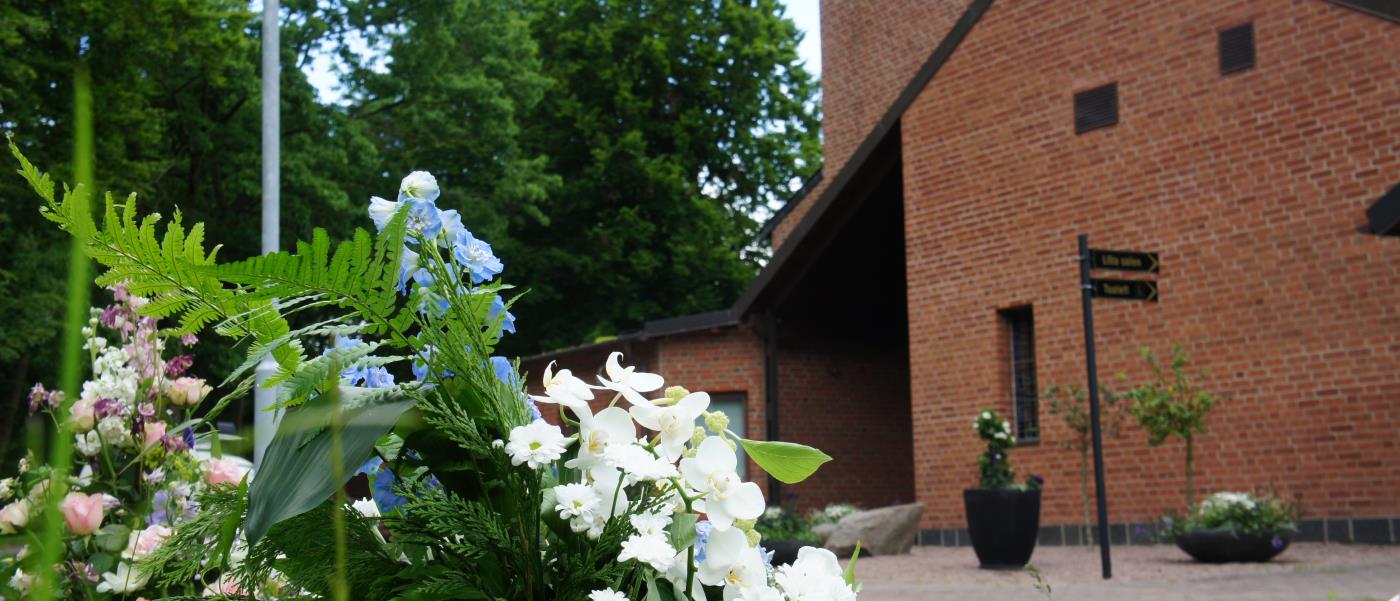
<point>264,421</point>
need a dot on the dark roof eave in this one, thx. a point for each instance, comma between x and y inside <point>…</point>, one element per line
<point>1384,9</point>
<point>652,329</point>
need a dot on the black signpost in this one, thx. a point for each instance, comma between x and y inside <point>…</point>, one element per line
<point>1090,287</point>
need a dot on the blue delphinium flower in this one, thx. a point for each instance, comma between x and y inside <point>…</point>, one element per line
<point>423,218</point>
<point>498,305</point>
<point>476,256</point>
<point>408,268</point>
<point>377,377</point>
<point>702,538</point>
<point>381,211</point>
<point>419,185</point>
<point>451,227</point>
<point>505,371</point>
<point>382,480</point>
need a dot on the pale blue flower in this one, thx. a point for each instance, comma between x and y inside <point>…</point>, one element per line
<point>408,266</point>
<point>498,306</point>
<point>419,185</point>
<point>377,377</point>
<point>424,218</point>
<point>476,256</point>
<point>381,211</point>
<point>702,538</point>
<point>451,226</point>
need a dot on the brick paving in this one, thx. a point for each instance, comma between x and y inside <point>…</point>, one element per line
<point>1306,572</point>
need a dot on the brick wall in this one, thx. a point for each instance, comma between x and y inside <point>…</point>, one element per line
<point>870,50</point>
<point>1252,187</point>
<point>853,404</point>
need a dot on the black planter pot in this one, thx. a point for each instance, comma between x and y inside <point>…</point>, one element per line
<point>1003,525</point>
<point>1225,545</point>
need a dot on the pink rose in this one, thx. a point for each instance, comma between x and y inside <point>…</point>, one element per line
<point>154,431</point>
<point>187,391</point>
<point>140,543</point>
<point>81,416</point>
<point>82,512</point>
<point>224,471</point>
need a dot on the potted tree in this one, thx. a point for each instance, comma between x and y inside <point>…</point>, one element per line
<point>1236,526</point>
<point>1070,404</point>
<point>1003,519</point>
<point>1173,405</point>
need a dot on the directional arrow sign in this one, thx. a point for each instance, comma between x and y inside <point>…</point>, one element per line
<point>1124,289</point>
<point>1123,260</point>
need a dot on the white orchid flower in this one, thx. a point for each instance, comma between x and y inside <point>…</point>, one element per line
<point>675,423</point>
<point>563,388</point>
<point>638,464</point>
<point>611,426</point>
<point>730,562</point>
<point>628,381</point>
<point>761,593</point>
<point>815,575</point>
<point>727,498</point>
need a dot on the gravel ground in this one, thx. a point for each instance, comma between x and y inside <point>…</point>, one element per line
<point>1313,572</point>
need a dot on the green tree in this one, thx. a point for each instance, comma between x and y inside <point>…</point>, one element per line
<point>669,124</point>
<point>176,106</point>
<point>1071,404</point>
<point>1172,404</point>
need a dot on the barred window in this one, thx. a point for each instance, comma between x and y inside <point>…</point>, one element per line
<point>1024,397</point>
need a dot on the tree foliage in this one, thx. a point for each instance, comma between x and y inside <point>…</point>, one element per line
<point>613,150</point>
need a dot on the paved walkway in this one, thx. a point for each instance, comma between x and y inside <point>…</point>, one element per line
<point>1306,572</point>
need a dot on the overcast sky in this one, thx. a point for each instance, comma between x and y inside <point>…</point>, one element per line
<point>803,12</point>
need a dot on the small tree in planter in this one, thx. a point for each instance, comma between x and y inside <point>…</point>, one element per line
<point>1003,519</point>
<point>1237,526</point>
<point>1171,404</point>
<point>1071,404</point>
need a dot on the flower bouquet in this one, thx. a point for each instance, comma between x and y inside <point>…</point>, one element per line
<point>1003,519</point>
<point>138,472</point>
<point>474,494</point>
<point>1237,526</point>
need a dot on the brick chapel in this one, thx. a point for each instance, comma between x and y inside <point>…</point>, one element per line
<point>929,268</point>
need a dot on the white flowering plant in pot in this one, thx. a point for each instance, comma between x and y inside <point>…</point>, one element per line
<point>138,467</point>
<point>475,495</point>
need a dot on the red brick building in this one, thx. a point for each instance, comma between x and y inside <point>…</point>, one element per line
<point>928,270</point>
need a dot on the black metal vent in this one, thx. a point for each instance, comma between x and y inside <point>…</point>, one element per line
<point>1237,49</point>
<point>1096,108</point>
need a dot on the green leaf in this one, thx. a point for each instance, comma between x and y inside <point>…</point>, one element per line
<point>850,574</point>
<point>789,462</point>
<point>113,537</point>
<point>682,530</point>
<point>296,475</point>
<point>653,593</point>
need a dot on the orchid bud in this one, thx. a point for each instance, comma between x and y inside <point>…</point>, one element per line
<point>676,393</point>
<point>716,421</point>
<point>697,437</point>
<point>745,524</point>
<point>754,537</point>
